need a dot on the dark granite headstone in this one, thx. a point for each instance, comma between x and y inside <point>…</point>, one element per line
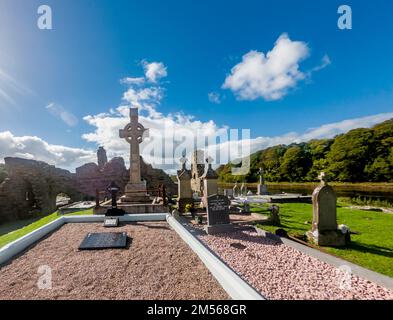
<point>97,241</point>
<point>217,210</point>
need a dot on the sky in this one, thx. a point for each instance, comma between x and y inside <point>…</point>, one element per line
<point>284,70</point>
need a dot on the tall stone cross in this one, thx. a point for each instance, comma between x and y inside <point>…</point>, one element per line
<point>261,177</point>
<point>322,177</point>
<point>133,134</point>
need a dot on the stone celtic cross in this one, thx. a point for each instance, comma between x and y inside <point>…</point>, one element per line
<point>133,133</point>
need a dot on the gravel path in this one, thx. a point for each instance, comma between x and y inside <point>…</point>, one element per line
<point>158,265</point>
<point>278,271</point>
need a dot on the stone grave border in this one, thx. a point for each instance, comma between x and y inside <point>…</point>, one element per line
<point>235,286</point>
<point>357,270</point>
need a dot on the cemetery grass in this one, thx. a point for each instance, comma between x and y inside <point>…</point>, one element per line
<point>371,247</point>
<point>16,234</point>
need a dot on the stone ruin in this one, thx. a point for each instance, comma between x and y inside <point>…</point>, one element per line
<point>91,176</point>
<point>31,188</point>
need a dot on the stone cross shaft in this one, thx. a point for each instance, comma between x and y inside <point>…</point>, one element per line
<point>133,134</point>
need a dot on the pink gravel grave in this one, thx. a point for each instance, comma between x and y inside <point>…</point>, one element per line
<point>157,265</point>
<point>278,271</point>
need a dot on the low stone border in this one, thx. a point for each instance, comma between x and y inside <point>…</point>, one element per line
<point>14,248</point>
<point>235,286</point>
<point>364,273</point>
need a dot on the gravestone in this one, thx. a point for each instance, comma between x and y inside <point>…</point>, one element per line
<point>236,191</point>
<point>210,182</point>
<point>114,211</point>
<point>100,241</point>
<point>184,193</point>
<point>111,222</point>
<point>262,189</point>
<point>243,190</point>
<point>324,228</point>
<point>218,220</point>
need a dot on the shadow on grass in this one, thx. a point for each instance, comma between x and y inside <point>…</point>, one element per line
<point>16,225</point>
<point>369,248</point>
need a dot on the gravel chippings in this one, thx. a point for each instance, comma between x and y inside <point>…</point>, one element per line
<point>157,265</point>
<point>281,272</point>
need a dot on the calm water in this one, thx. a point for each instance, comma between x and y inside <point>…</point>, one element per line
<point>365,193</point>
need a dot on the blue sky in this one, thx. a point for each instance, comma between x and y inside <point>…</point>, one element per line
<point>78,65</point>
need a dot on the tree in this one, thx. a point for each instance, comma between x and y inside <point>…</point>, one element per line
<point>349,155</point>
<point>295,164</point>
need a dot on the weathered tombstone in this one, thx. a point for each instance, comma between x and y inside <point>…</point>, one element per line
<point>274,215</point>
<point>324,228</point>
<point>210,182</point>
<point>218,220</point>
<point>262,189</point>
<point>236,190</point>
<point>184,193</point>
<point>243,190</point>
<point>246,207</point>
<point>228,193</point>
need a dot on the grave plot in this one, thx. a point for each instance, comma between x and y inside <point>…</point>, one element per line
<point>281,272</point>
<point>156,264</point>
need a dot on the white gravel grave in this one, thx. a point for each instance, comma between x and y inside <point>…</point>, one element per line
<point>281,272</point>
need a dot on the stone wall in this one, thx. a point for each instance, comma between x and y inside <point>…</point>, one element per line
<point>91,178</point>
<point>31,188</point>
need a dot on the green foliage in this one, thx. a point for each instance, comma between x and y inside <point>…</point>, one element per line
<point>295,164</point>
<point>357,156</point>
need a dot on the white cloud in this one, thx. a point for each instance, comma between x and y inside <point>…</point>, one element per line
<point>214,97</point>
<point>133,81</point>
<point>268,76</point>
<point>31,147</point>
<point>154,71</point>
<point>60,113</point>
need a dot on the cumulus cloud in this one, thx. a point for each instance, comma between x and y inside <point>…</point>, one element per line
<point>133,81</point>
<point>214,97</point>
<point>60,113</point>
<point>268,76</point>
<point>35,148</point>
<point>154,71</point>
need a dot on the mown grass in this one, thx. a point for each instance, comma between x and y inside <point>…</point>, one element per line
<point>14,235</point>
<point>371,248</point>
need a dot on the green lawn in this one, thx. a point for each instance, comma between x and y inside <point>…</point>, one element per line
<point>12,236</point>
<point>372,248</point>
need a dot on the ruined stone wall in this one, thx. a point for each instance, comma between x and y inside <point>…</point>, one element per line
<point>90,177</point>
<point>32,187</point>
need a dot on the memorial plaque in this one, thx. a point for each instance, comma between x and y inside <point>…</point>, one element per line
<point>97,241</point>
<point>111,222</point>
<point>218,210</point>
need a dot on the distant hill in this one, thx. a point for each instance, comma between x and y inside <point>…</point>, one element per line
<point>358,156</point>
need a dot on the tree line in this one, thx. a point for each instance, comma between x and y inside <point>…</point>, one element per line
<point>361,155</point>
